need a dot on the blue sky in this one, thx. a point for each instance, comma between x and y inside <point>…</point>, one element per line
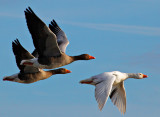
<point>123,35</point>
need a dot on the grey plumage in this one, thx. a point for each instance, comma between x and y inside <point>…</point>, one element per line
<point>61,36</point>
<point>45,41</point>
<point>29,74</point>
<point>50,44</point>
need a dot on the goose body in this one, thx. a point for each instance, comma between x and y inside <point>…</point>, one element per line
<point>111,84</point>
<point>50,43</point>
<point>49,62</point>
<point>34,77</point>
<point>29,74</point>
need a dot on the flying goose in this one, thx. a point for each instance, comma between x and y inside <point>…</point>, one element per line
<point>111,84</point>
<point>29,74</point>
<point>50,43</point>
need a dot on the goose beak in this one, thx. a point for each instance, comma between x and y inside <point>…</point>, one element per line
<point>145,76</point>
<point>91,57</point>
<point>68,71</point>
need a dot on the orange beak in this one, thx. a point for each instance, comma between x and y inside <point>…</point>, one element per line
<point>145,76</point>
<point>68,71</point>
<point>91,57</point>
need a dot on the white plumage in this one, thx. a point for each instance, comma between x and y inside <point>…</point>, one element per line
<point>111,84</point>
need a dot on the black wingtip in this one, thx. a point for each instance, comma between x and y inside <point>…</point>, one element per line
<point>54,26</point>
<point>13,44</point>
<point>29,10</point>
<point>29,7</point>
<point>54,23</point>
<point>16,43</point>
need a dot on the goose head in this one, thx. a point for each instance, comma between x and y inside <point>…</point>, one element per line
<point>62,71</point>
<point>84,57</point>
<point>140,76</point>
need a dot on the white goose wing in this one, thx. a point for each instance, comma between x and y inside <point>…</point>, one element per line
<point>118,97</point>
<point>103,88</point>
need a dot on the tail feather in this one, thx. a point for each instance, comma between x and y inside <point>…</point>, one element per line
<point>11,78</point>
<point>7,78</point>
<point>87,81</point>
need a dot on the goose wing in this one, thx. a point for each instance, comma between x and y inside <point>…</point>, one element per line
<point>61,36</point>
<point>103,88</point>
<point>35,53</point>
<point>21,54</point>
<point>45,41</point>
<point>118,97</point>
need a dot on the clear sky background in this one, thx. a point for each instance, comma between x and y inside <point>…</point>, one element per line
<point>123,35</point>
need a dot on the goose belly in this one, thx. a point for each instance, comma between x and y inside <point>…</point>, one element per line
<point>30,77</point>
<point>52,62</point>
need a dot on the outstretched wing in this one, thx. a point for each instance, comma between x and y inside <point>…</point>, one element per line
<point>61,36</point>
<point>103,88</point>
<point>22,54</point>
<point>118,97</point>
<point>45,41</point>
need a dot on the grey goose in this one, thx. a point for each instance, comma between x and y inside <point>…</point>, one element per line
<point>50,43</point>
<point>29,74</point>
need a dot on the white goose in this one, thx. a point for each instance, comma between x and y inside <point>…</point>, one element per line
<point>111,84</point>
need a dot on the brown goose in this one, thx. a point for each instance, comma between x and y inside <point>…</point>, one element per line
<point>29,74</point>
<point>49,43</point>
